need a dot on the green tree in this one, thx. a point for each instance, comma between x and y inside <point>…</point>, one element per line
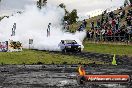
<point>73,16</point>
<point>70,17</point>
<point>41,3</point>
<point>62,5</point>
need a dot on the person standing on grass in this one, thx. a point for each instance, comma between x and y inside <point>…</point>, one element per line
<point>13,29</point>
<point>92,25</point>
<point>128,20</point>
<point>103,31</point>
<point>85,23</point>
<point>116,24</point>
<point>81,27</point>
<point>98,23</point>
<point>48,30</point>
<point>109,34</point>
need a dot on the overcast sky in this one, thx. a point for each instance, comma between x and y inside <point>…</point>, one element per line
<point>83,6</point>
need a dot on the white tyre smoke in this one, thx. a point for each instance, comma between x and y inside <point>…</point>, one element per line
<point>33,23</point>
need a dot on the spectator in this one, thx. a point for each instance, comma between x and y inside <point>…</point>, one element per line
<point>122,34</point>
<point>97,33</point>
<point>129,19</point>
<point>111,15</point>
<point>81,27</point>
<point>109,26</point>
<point>103,31</point>
<point>98,23</point>
<point>66,25</point>
<point>123,14</point>
<point>85,23</point>
<point>92,25</point>
<point>88,34</point>
<point>117,23</point>
<point>109,34</point>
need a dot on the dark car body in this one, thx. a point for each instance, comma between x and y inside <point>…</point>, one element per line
<point>69,45</point>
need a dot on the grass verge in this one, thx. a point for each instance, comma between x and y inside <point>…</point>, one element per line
<point>108,48</point>
<point>37,57</point>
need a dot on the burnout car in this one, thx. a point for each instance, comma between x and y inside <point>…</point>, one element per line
<point>69,45</point>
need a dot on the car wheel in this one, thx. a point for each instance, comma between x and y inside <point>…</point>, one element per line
<point>64,50</point>
<point>79,50</point>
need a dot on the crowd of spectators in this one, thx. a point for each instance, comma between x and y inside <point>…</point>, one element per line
<point>112,26</point>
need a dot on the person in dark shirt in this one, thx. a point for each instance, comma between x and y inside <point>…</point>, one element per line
<point>98,23</point>
<point>123,14</point>
<point>92,25</point>
<point>48,30</point>
<point>85,23</point>
<point>13,29</point>
<point>129,19</point>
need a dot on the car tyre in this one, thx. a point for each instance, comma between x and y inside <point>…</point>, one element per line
<point>79,50</point>
<point>64,50</point>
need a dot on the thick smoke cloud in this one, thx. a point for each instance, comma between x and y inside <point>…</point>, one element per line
<point>33,23</point>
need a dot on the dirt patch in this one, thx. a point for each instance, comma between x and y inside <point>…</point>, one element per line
<point>41,76</point>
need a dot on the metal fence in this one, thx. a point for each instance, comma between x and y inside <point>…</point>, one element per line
<point>105,38</point>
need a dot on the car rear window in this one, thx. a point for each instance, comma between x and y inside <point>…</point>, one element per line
<point>70,42</point>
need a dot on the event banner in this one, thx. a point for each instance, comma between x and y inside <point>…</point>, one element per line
<point>4,46</point>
